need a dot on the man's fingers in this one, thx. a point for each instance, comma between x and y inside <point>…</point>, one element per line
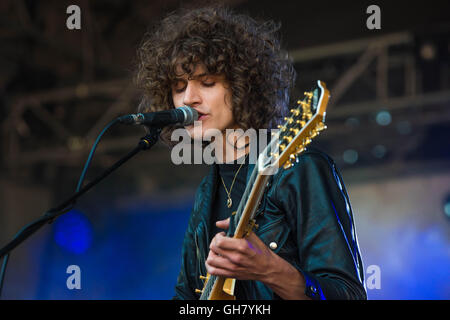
<point>217,261</point>
<point>223,224</point>
<point>224,245</point>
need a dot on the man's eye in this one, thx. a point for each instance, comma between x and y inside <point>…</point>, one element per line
<point>179,87</point>
<point>209,83</point>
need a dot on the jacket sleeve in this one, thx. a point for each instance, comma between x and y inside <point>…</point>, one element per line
<point>314,199</point>
<point>183,289</point>
<point>186,281</point>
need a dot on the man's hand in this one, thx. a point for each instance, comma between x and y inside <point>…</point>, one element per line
<point>251,259</point>
<point>243,259</point>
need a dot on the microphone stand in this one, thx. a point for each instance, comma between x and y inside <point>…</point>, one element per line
<point>144,144</point>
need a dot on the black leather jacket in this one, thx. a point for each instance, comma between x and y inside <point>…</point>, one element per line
<point>306,212</point>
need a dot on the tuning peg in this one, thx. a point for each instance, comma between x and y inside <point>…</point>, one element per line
<point>313,133</point>
<point>203,278</point>
<point>294,130</point>
<point>198,291</point>
<point>308,94</point>
<point>287,164</point>
<point>321,126</point>
<point>300,122</point>
<point>307,141</point>
<point>287,138</point>
<point>282,128</point>
<point>299,149</point>
<point>282,147</point>
<point>292,157</point>
<point>296,112</point>
<point>288,120</point>
<point>274,154</point>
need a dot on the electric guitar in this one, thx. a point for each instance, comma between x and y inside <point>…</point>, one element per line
<point>306,121</point>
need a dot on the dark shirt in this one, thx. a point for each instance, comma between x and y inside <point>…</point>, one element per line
<point>220,211</point>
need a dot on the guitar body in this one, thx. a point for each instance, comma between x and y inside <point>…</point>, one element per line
<point>220,285</point>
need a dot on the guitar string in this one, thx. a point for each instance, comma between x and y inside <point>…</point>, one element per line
<point>212,279</point>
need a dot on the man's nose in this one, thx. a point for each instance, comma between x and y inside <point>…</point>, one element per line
<point>192,95</point>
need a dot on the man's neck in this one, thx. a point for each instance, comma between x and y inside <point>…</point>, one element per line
<point>232,149</point>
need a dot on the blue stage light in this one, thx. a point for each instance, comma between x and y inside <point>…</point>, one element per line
<point>447,206</point>
<point>73,232</point>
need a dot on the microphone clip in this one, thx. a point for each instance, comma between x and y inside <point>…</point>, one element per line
<point>150,139</point>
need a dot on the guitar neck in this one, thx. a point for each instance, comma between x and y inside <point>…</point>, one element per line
<point>243,217</point>
<point>240,223</point>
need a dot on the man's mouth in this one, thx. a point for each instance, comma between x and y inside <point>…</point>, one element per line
<point>201,115</point>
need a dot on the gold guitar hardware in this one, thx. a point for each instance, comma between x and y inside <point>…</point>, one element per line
<point>288,120</point>
<point>252,224</point>
<point>274,154</point>
<point>294,130</point>
<point>287,164</point>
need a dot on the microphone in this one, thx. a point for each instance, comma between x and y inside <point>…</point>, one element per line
<point>184,115</point>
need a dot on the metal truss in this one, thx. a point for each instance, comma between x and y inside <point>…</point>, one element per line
<point>365,76</point>
<point>388,70</point>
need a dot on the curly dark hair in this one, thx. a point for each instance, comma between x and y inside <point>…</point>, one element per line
<point>247,52</point>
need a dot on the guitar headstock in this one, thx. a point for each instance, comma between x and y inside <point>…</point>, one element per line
<point>305,122</point>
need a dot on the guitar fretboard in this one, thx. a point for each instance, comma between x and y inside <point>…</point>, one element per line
<point>234,221</point>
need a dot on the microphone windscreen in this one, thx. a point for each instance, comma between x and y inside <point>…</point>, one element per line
<point>189,114</point>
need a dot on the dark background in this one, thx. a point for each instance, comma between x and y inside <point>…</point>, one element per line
<point>388,130</point>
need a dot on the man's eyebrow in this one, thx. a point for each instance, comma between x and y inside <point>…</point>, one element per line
<point>199,75</point>
<point>194,77</point>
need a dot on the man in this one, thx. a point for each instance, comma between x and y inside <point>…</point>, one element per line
<point>230,68</point>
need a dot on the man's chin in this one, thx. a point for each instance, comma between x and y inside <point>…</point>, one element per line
<point>201,133</point>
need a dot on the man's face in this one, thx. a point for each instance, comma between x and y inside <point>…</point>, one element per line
<point>209,95</point>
